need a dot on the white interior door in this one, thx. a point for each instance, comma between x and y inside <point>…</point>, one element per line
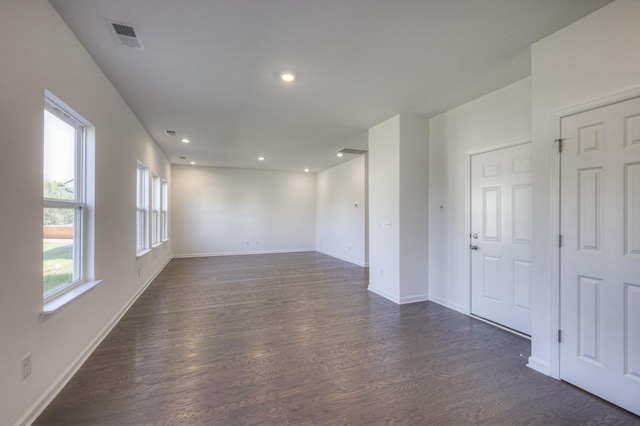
<point>600,257</point>
<point>501,237</point>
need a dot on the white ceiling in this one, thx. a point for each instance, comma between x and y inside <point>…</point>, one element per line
<point>210,68</point>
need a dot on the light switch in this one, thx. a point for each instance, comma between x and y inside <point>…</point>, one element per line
<point>386,224</point>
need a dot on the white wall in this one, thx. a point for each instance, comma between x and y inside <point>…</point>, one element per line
<point>218,211</point>
<point>499,117</point>
<point>40,53</point>
<point>398,213</point>
<point>384,207</point>
<point>341,211</point>
<point>595,57</point>
<point>414,208</point>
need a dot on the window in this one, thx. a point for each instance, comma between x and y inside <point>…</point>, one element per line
<point>164,226</point>
<point>64,199</point>
<point>155,211</point>
<point>142,204</point>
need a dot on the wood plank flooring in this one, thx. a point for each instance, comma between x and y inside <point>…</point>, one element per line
<point>296,339</point>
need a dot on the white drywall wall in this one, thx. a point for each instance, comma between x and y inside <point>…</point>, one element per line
<point>219,211</point>
<point>499,117</point>
<point>40,53</point>
<point>414,211</point>
<point>384,208</point>
<point>593,58</point>
<point>341,211</point>
<point>398,216</point>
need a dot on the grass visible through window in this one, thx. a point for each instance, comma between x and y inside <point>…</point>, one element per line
<point>58,264</point>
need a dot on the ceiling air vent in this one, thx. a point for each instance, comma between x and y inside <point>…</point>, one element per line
<point>126,34</point>
<point>171,132</point>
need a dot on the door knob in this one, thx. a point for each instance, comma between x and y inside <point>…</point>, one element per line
<point>472,247</point>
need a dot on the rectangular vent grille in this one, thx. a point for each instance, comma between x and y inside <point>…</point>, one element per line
<point>124,30</point>
<point>171,132</point>
<point>126,34</point>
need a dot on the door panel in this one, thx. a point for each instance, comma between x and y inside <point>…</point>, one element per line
<point>600,257</point>
<point>501,230</point>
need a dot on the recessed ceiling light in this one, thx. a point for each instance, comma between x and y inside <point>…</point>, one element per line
<point>287,76</point>
<point>261,158</point>
<point>306,170</point>
<point>192,162</point>
<point>339,154</point>
<point>185,140</point>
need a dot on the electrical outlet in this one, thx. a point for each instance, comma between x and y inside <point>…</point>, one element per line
<point>349,248</point>
<point>381,272</point>
<point>247,242</point>
<point>26,366</point>
<point>257,243</point>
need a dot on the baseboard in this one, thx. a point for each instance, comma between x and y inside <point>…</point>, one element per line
<point>240,253</point>
<point>449,305</point>
<point>43,402</point>
<point>346,259</point>
<point>539,366</point>
<point>384,294</point>
<point>399,300</point>
<point>414,299</point>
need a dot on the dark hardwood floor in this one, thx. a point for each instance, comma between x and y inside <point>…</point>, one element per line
<point>296,339</point>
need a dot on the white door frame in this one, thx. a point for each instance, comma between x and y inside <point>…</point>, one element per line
<point>467,231</point>
<point>554,203</point>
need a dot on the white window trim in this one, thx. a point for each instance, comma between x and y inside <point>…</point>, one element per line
<point>81,251</point>
<point>156,209</point>
<point>164,211</point>
<point>142,211</point>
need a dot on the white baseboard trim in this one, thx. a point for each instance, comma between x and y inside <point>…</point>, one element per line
<point>52,391</point>
<point>399,300</point>
<point>384,294</point>
<point>240,253</point>
<point>449,305</point>
<point>346,259</point>
<point>414,299</point>
<point>539,366</point>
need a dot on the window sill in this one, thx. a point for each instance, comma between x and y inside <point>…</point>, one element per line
<point>58,302</point>
<point>156,245</point>
<point>142,253</point>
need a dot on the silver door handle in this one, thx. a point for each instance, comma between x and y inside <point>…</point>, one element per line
<point>472,247</point>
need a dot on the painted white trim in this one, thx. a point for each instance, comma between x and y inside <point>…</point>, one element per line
<point>449,305</point>
<point>624,95</point>
<point>52,391</point>
<point>346,259</point>
<point>467,203</point>
<point>501,145</point>
<point>399,300</point>
<point>539,366</point>
<point>240,253</point>
<point>384,294</point>
<point>555,123</point>
<point>414,299</point>
<point>56,303</point>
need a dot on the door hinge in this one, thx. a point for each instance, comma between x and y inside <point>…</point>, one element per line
<point>559,336</point>
<point>560,241</point>
<point>559,144</point>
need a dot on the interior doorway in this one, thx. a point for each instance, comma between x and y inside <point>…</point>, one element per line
<point>500,236</point>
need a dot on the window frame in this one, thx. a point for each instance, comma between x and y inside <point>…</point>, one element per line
<point>164,211</point>
<point>142,209</point>
<point>156,203</point>
<point>78,204</point>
